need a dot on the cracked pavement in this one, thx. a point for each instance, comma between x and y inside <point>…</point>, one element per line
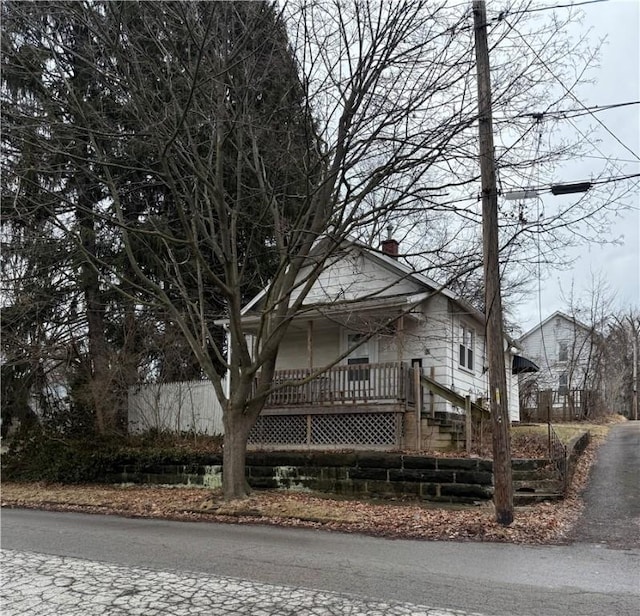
<point>47,585</point>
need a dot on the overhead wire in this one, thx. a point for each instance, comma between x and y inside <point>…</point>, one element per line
<point>539,258</point>
<point>582,110</point>
<point>577,112</point>
<point>503,14</point>
<point>570,92</point>
<point>547,187</point>
<point>534,170</point>
<point>569,114</point>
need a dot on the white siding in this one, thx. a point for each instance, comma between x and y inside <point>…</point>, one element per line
<point>464,381</point>
<point>431,334</point>
<point>513,389</point>
<point>353,276</point>
<point>542,346</point>
<point>293,351</point>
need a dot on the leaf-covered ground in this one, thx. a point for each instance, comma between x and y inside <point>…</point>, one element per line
<point>542,523</point>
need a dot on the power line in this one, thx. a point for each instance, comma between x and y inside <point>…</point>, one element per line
<point>503,14</point>
<point>616,179</point>
<point>569,92</point>
<point>577,111</point>
<point>609,158</point>
<point>543,188</point>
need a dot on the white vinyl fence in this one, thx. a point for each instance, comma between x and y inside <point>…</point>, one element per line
<point>188,406</point>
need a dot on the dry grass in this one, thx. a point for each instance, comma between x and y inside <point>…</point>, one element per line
<point>543,523</point>
<point>567,431</point>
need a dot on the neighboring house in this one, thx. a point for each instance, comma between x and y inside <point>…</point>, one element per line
<point>389,324</point>
<point>568,353</point>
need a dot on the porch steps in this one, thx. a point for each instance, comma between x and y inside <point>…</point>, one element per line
<point>443,432</point>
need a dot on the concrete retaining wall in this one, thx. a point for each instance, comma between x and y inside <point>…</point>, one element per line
<point>359,474</point>
<point>354,474</point>
<point>575,447</point>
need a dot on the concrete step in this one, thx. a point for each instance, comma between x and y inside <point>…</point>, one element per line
<point>529,464</point>
<point>540,485</point>
<point>537,475</point>
<point>522,499</point>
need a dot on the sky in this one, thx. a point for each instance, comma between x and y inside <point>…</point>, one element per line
<point>615,80</point>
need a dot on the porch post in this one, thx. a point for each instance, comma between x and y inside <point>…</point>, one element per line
<point>432,396</point>
<point>467,424</point>
<point>400,337</point>
<point>310,343</point>
<point>418,406</point>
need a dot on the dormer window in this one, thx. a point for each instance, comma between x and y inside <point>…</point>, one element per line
<point>465,347</point>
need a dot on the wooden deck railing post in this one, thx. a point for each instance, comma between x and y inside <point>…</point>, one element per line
<point>417,388</point>
<point>467,424</point>
<point>432,396</point>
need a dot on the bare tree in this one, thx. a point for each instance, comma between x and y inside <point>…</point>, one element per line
<point>620,387</point>
<point>242,144</point>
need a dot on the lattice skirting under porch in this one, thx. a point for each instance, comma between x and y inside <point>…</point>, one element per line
<point>328,431</point>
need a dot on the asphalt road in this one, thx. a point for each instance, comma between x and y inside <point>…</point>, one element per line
<point>597,574</point>
<point>495,579</point>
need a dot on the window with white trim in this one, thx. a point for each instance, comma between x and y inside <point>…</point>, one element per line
<point>466,347</point>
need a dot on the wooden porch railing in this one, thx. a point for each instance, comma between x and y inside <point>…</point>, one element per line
<point>343,384</point>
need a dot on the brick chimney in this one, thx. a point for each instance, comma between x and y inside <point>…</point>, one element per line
<point>390,246</point>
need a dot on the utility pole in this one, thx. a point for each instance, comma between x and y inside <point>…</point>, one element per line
<point>500,423</point>
<point>635,370</point>
<point>635,378</point>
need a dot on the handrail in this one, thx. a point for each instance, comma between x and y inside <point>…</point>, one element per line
<point>558,454</point>
<point>448,394</point>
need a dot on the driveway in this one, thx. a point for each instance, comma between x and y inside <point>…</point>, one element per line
<point>611,515</point>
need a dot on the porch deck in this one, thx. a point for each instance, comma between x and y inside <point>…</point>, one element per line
<point>354,406</point>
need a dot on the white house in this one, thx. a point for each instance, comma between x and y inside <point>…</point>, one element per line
<point>368,325</point>
<point>567,352</point>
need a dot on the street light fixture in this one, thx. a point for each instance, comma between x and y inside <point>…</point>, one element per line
<point>519,195</point>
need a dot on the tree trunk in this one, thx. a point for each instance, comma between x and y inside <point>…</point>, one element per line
<point>237,426</point>
<point>101,385</point>
<point>128,366</point>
